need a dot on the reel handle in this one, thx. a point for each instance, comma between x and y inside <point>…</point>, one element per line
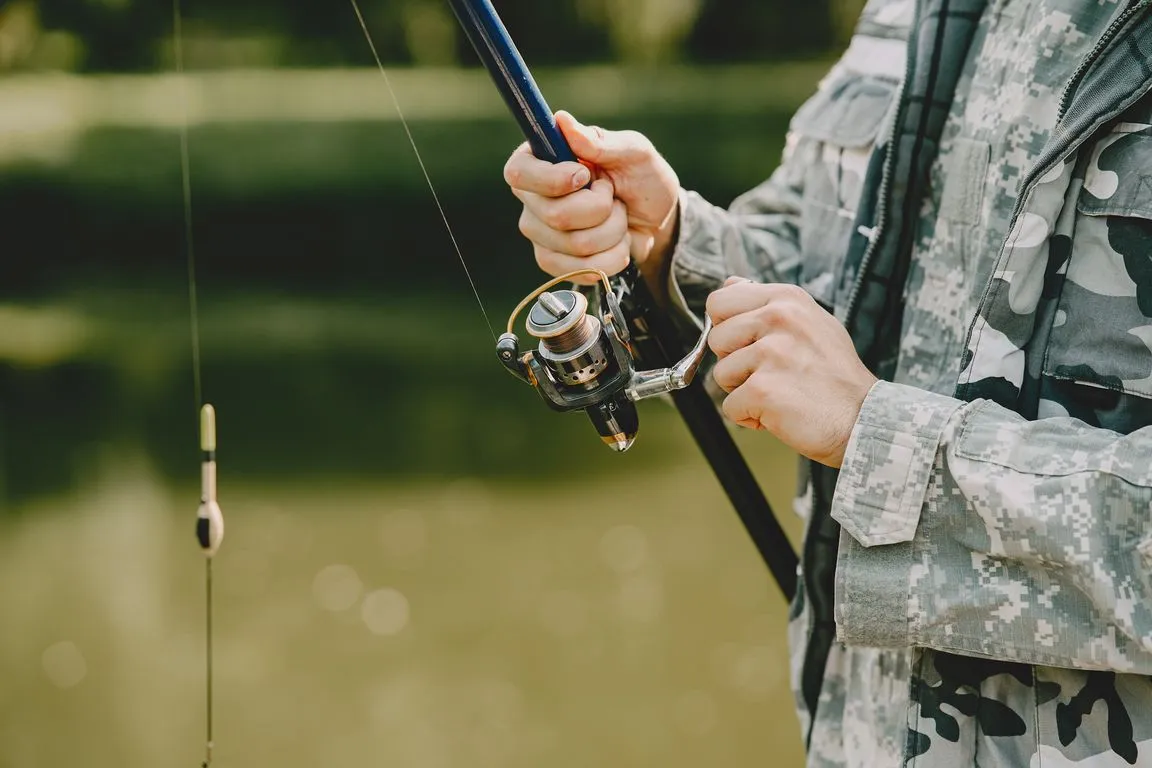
<point>664,380</point>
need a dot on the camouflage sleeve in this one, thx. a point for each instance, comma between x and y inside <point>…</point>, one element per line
<point>757,237</point>
<point>968,529</point>
<point>795,226</point>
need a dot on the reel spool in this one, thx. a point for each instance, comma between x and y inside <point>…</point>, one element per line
<point>584,361</point>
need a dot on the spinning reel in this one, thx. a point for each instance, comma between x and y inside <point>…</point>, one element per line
<point>585,360</point>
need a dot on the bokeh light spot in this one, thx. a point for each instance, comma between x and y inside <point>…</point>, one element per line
<point>337,587</point>
<point>385,612</point>
<point>64,664</point>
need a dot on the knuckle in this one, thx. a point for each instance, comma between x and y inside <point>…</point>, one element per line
<point>770,421</point>
<point>722,378</point>
<point>770,316</point>
<point>767,348</point>
<point>635,143</point>
<point>711,304</point>
<point>557,217</point>
<point>603,206</point>
<point>512,174</point>
<point>717,348</point>
<point>619,257</point>
<point>558,182</point>
<point>542,259</point>
<point>617,230</point>
<point>795,292</point>
<point>610,261</point>
<point>729,407</point>
<point>525,223</point>
<point>605,193</point>
<point>584,242</point>
<point>546,260</point>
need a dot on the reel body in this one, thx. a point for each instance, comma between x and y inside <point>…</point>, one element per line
<point>584,360</point>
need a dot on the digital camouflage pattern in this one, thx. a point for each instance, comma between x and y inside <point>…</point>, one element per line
<point>992,588</point>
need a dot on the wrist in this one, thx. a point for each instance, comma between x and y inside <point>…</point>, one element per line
<point>667,234</point>
<point>657,266</point>
<point>853,407</point>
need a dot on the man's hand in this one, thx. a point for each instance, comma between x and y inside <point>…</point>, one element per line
<point>789,367</point>
<point>630,209</point>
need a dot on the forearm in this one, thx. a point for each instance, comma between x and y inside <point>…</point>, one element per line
<point>970,529</point>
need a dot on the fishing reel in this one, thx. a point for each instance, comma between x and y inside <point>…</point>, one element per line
<point>584,360</point>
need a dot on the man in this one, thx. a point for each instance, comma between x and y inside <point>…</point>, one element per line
<point>952,320</point>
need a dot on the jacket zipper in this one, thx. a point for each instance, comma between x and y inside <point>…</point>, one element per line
<point>1134,7</point>
<point>875,232</point>
<point>1026,183</point>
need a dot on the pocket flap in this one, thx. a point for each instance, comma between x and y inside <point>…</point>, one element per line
<point>1118,181</point>
<point>847,111</point>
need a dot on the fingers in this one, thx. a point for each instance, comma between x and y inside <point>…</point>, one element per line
<point>579,242</point>
<point>573,227</point>
<point>610,149</point>
<point>584,229</point>
<point>765,355</point>
<point>742,331</point>
<point>528,173</point>
<point>582,209</point>
<point>750,312</point>
<point>743,407</point>
<point>741,295</point>
<point>609,261</point>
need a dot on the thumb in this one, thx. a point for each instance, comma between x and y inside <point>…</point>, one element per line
<point>596,145</point>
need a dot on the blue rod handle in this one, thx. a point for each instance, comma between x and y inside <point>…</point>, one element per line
<point>500,57</point>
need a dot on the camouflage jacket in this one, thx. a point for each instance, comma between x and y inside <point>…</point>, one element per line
<point>968,190</point>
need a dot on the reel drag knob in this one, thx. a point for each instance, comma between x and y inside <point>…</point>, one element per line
<point>571,343</point>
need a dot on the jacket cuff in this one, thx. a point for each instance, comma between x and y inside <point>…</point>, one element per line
<point>697,261</point>
<point>889,461</point>
<point>692,275</point>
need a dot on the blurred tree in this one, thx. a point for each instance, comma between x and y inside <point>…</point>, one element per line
<point>118,35</point>
<point>135,35</point>
<point>554,33</point>
<point>19,28</point>
<point>740,30</point>
<point>430,33</point>
<point>646,31</point>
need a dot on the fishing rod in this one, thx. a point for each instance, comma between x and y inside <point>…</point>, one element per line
<point>589,349</point>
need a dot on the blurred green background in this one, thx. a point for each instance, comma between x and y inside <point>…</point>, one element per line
<point>424,566</point>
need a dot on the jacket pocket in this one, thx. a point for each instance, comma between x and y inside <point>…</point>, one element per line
<point>834,134</point>
<point>1098,365</point>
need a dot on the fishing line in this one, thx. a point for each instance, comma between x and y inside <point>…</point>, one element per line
<point>420,160</point>
<point>186,189</point>
<point>194,322</point>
